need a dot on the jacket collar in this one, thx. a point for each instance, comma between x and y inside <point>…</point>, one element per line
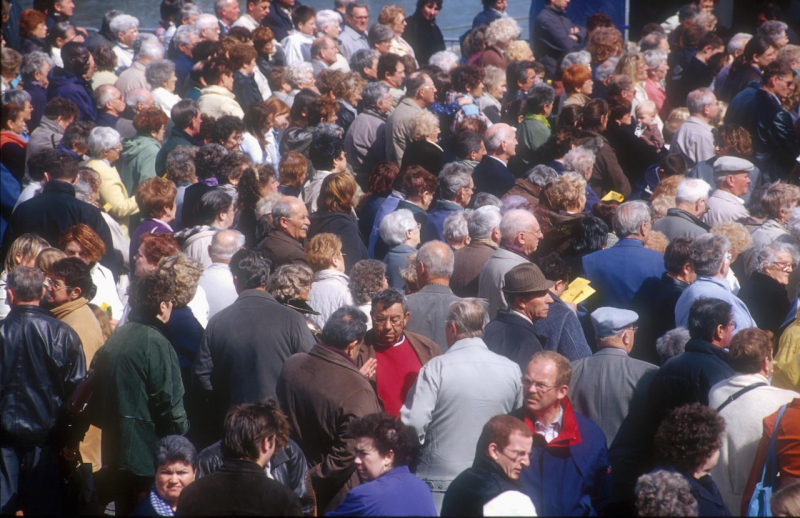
<point>528,187</point>
<point>449,205</point>
<point>713,280</point>
<point>509,248</point>
<point>182,134</point>
<point>32,310</point>
<point>629,242</point>
<point>402,249</point>
<point>335,356</point>
<point>153,322</point>
<point>258,294</point>
<point>744,380</point>
<point>481,243</point>
<point>217,90</point>
<point>610,351</point>
<point>59,186</point>
<point>51,125</point>
<point>375,113</point>
<point>682,214</point>
<point>672,281</point>
<point>719,194</point>
<point>436,288</point>
<point>280,235</point>
<point>65,309</point>
<point>568,435</point>
<point>765,281</point>
<point>509,316</point>
<point>241,466</point>
<point>696,345</point>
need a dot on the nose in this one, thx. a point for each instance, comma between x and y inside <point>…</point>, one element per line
<point>525,461</point>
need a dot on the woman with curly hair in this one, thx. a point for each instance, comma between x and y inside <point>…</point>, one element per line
<point>499,36</point>
<point>604,43</point>
<point>418,187</point>
<point>290,285</point>
<point>688,442</point>
<point>137,162</point>
<point>566,196</point>
<point>22,252</point>
<point>424,150</point>
<point>255,183</point>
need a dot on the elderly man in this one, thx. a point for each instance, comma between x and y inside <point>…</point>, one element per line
<point>490,487</point>
<point>323,54</point>
<point>180,52</point>
<point>365,140</point>
<point>694,140</point>
<point>110,105</point>
<point>441,406</point>
<point>390,353</point>
<point>684,220</point>
<point>456,187</point>
<point>710,256</point>
<point>227,12</point>
<point>217,280</point>
<point>135,101</point>
<point>511,333</point>
<point>400,231</point>
<point>732,180</point>
<point>618,272</point>
<point>186,120</point>
<point>207,27</point>
<point>569,472</point>
<point>322,392</point>
<point>58,114</point>
<point>125,29</point>
<point>611,388</point>
<point>483,225</point>
<point>284,243</point>
<point>354,34</point>
<point>420,93</point>
<point>257,10</point>
<point>429,306</point>
<point>148,49</point>
<point>492,174</point>
<point>734,48</point>
<point>520,233</point>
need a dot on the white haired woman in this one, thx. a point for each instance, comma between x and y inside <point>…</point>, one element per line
<point>494,89</point>
<point>329,23</point>
<point>499,36</point>
<point>105,148</point>
<point>401,232</point>
<point>424,149</point>
<point>764,292</point>
<point>162,79</point>
<point>657,68</point>
<point>291,285</point>
<point>581,160</point>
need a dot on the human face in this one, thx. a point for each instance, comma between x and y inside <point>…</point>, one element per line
<point>74,249</point>
<point>660,72</point>
<point>359,19</point>
<point>476,91</point>
<point>781,268</point>
<point>230,13</point>
<point>515,456</point>
<point>112,155</point>
<point>708,465</point>
<point>385,104</point>
<point>726,333</point>
<point>532,237</point>
<point>511,143</point>
<point>258,10</point>
<point>626,120</point>
<point>187,49</point>
<point>481,153</point>
<point>645,117</point>
<point>333,30</point>
<point>18,125</point>
<point>429,11</point>
<point>372,72</point>
<point>65,7</point>
<point>535,305</point>
<point>586,87</point>
<point>641,70</point>
<point>328,54</point>
<point>388,323</point>
<point>41,75</point>
<point>296,226</point>
<point>524,86</point>
<point>172,479</point>
<point>560,4</point>
<point>501,5</point>
<point>210,34</point>
<point>739,183</point>
<point>169,86</point>
<point>784,86</point>
<point>706,5</point>
<point>428,92</point>
<point>142,266</point>
<point>497,90</point>
<point>382,48</point>
<point>398,77</point>
<point>399,25</point>
<point>58,293</point>
<point>40,31</point>
<point>539,386</point>
<point>159,135</point>
<point>281,121</point>
<point>309,28</point>
<point>465,194</point>
<point>117,104</point>
<point>769,55</point>
<point>369,462</point>
<point>126,38</point>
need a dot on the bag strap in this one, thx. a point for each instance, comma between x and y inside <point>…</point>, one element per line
<point>740,393</point>
<point>770,467</point>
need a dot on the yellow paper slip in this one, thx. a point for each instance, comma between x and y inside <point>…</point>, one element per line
<point>613,196</point>
<point>577,291</point>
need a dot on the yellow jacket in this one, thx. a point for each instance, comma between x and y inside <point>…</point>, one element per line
<point>113,195</point>
<point>786,365</point>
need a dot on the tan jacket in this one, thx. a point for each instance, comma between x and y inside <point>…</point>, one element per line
<point>113,194</point>
<point>217,101</point>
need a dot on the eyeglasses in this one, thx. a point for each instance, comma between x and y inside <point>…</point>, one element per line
<point>729,257</point>
<point>395,320</point>
<point>54,285</point>
<point>783,265</point>
<point>517,455</point>
<point>538,385</point>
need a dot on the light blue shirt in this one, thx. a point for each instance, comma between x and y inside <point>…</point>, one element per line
<point>710,287</point>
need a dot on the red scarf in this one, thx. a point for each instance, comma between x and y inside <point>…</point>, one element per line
<point>569,434</point>
<point>9,137</point>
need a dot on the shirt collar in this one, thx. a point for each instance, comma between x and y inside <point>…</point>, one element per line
<point>555,425</point>
<point>522,315</point>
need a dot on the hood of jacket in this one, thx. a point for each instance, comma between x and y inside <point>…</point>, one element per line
<point>133,146</point>
<point>59,77</point>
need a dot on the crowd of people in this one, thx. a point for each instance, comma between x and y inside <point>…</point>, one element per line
<point>285,261</point>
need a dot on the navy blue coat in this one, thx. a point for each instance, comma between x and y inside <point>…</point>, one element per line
<point>561,331</point>
<point>9,192</point>
<point>655,305</point>
<point>395,493</point>
<point>512,336</point>
<point>492,176</point>
<point>76,89</point>
<point>38,99</point>
<point>434,225</point>
<point>571,475</point>
<point>246,90</point>
<point>280,22</point>
<point>774,141</point>
<point>551,37</point>
<point>183,65</point>
<point>485,17</point>
<point>344,226</point>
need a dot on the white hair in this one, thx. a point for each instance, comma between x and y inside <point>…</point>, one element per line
<point>579,159</point>
<point>34,62</point>
<point>503,29</point>
<point>654,57</point>
<point>444,60</point>
<point>540,175</point>
<point>606,68</point>
<point>580,57</point>
<point>206,21</point>
<point>738,42</point>
<point>327,18</point>
<point>184,34</point>
<point>453,178</point>
<point>456,226</point>
<point>629,217</point>
<point>692,190</point>
<point>149,47</point>
<point>136,96</point>
<point>767,255</point>
<point>298,72</point>
<point>514,222</point>
<point>482,221</point>
<point>493,75</point>
<point>219,5</point>
<point>122,23</point>
<point>672,343</point>
<point>102,139</point>
<point>394,226</point>
<point>438,264</point>
<point>699,99</point>
<point>104,94</point>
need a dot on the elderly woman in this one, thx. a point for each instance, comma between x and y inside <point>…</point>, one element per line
<point>329,291</point>
<point>577,81</point>
<point>494,89</point>
<point>216,211</point>
<point>291,285</point>
<point>401,232</point>
<point>156,200</point>
<point>300,76</point>
<point>13,145</point>
<point>22,252</point>
<point>657,68</point>
<point>105,148</point>
<point>335,215</point>
<point>384,449</point>
<point>82,242</point>
<point>394,17</point>
<point>764,292</point>
<point>535,128</point>
<point>519,50</point>
<point>455,230</point>
<point>35,68</point>
<point>778,202</point>
<point>664,493</point>
<point>380,38</point>
<point>688,442</point>
<point>424,151</point>
<point>348,94</point>
<point>162,79</point>
<point>137,162</point>
<point>499,36</point>
<point>581,160</point>
<point>329,23</point>
<point>364,142</point>
<point>367,278</point>
<point>567,198</point>
<point>181,171</point>
<point>33,30</point>
<point>176,466</point>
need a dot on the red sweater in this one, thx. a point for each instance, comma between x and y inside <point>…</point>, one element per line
<point>398,367</point>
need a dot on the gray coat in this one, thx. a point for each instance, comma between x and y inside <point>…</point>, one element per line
<point>491,281</point>
<point>398,129</point>
<point>429,307</point>
<point>46,136</point>
<point>395,260</point>
<point>365,142</point>
<point>454,396</point>
<point>679,223</point>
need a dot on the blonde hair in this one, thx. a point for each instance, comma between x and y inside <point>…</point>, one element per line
<point>321,249</point>
<point>657,241</point>
<point>647,106</point>
<point>659,205</point>
<point>502,30</point>
<point>185,273</point>
<point>28,247</point>
<point>674,121</point>
<point>423,124</point>
<point>736,233</point>
<point>668,185</point>
<point>627,65</point>
<point>48,257</point>
<point>389,14</point>
<point>518,50</point>
<point>566,191</point>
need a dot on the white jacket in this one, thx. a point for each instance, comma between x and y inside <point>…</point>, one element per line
<point>106,295</point>
<point>217,101</point>
<point>217,279</point>
<point>329,292</point>
<point>196,246</point>
<point>165,99</point>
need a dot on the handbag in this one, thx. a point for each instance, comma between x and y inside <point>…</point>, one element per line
<point>760,501</point>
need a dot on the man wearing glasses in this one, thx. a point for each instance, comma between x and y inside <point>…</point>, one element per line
<point>354,35</point>
<point>569,472</point>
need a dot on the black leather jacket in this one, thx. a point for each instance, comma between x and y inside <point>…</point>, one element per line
<point>41,362</point>
<point>287,466</point>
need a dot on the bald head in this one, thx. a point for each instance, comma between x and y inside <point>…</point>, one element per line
<point>138,99</point>
<point>224,244</point>
<point>435,263</point>
<point>108,99</point>
<point>521,229</point>
<point>501,141</point>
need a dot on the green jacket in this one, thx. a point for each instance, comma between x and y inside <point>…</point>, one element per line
<point>531,134</point>
<point>140,395</point>
<point>137,162</point>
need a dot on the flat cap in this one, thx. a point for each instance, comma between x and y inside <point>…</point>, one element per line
<point>525,278</point>
<point>725,165</point>
<point>610,321</point>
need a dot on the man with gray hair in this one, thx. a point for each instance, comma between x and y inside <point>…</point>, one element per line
<point>429,306</point>
<point>420,93</point>
<point>735,48</point>
<point>147,49</point>
<point>530,187</point>
<point>441,408</point>
<point>732,179</point>
<point>711,259</point>
<point>618,272</point>
<point>602,77</point>
<point>227,12</point>
<point>492,174</point>
<point>354,33</point>
<point>685,220</point>
<point>110,105</point>
<point>207,27</point>
<point>483,225</point>
<point>365,140</point>
<point>455,187</point>
<point>400,231</point>
<point>521,234</point>
<point>183,43</point>
<point>217,279</point>
<point>694,140</point>
<point>455,229</point>
<point>284,243</point>
<point>135,101</point>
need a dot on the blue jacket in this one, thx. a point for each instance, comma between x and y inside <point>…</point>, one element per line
<point>571,475</point>
<point>492,176</point>
<point>512,336</point>
<point>38,100</point>
<point>395,493</point>
<point>712,288</point>
<point>561,331</point>
<point>395,260</point>
<point>486,17</point>
<point>9,192</point>
<point>183,65</point>
<point>280,22</point>
<point>617,273</point>
<point>434,225</point>
<point>76,89</point>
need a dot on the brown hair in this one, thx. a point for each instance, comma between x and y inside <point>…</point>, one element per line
<point>28,246</point>
<point>748,350</point>
<point>248,424</point>
<point>338,192</point>
<point>241,55</point>
<point>689,436</point>
<point>149,120</point>
<point>321,249</point>
<point>29,19</point>
<point>321,109</point>
<point>48,257</point>
<point>499,429</point>
<point>416,180</point>
<point>563,368</point>
<point>277,106</point>
<point>778,197</point>
<point>157,246</point>
<point>327,80</point>
<point>389,14</point>
<point>735,137</point>
<point>155,197</point>
<point>604,43</point>
<point>87,238</point>
<point>668,186</point>
<point>261,37</point>
<point>292,167</point>
<point>382,178</point>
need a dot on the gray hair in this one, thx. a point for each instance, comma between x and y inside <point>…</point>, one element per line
<point>136,96</point>
<point>496,135</point>
<point>664,493</point>
<point>175,448</point>
<point>373,93</point>
<point>298,72</point>
<point>579,160</point>
<point>184,35</point>
<point>541,174</point>
<point>456,226</point>
<point>394,226</point>
<point>288,281</point>
<point>606,68</point>
<point>767,255</point>
<point>707,254</point>
<point>438,258</point>
<point>104,94</point>
<point>102,139</point>
<point>122,23</point>
<point>189,10</point>
<point>388,298</point>
<point>699,99</point>
<point>501,30</point>
<point>219,5</point>
<point>470,316</point>
<point>281,209</point>
<point>379,33</point>
<point>482,221</point>
<point>32,63</point>
<point>206,21</point>
<point>444,60</point>
<point>218,248</point>
<point>692,190</point>
<point>327,17</point>
<point>772,29</point>
<point>27,283</point>
<point>148,46</point>
<point>18,97</point>
<point>672,343</point>
<point>629,217</point>
<point>84,191</point>
<point>159,72</point>
<point>493,75</point>
<point>482,199</point>
<point>540,94</point>
<point>514,222</point>
<point>654,57</point>
<point>580,57</point>
<point>514,201</point>
<point>453,178</point>
<point>362,58</point>
<point>651,42</point>
<point>738,42</point>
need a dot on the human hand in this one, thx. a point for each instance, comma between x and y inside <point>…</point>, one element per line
<point>369,368</point>
<point>464,99</point>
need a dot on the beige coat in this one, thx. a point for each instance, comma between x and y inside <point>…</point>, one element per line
<point>217,101</point>
<point>398,129</point>
<point>113,194</point>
